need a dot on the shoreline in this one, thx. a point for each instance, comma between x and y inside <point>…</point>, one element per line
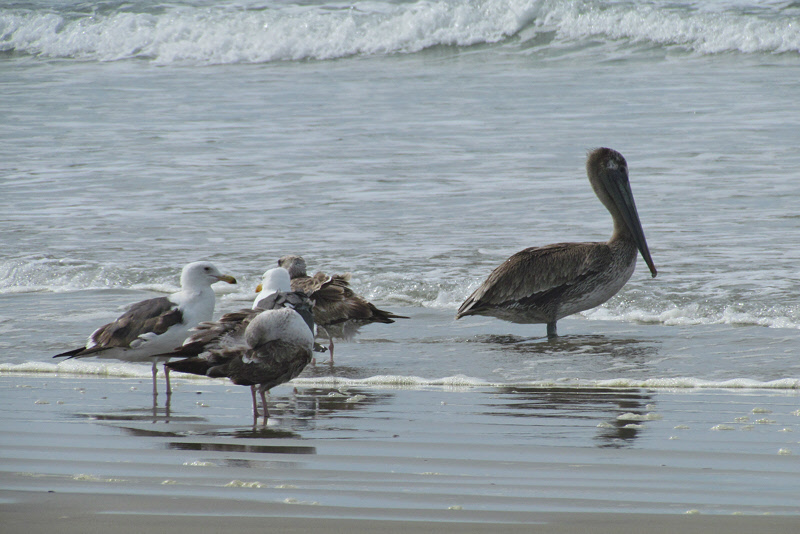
<point>41,513</point>
<point>80,452</point>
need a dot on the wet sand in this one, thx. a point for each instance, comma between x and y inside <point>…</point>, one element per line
<point>88,453</point>
<point>79,514</point>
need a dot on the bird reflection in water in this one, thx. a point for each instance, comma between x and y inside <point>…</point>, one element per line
<point>602,409</point>
<point>293,412</point>
<point>586,344</point>
<point>592,357</point>
<point>598,356</point>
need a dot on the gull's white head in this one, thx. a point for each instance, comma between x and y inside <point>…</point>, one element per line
<point>202,274</point>
<point>273,281</point>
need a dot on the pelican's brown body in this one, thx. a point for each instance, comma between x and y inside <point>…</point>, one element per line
<point>545,284</point>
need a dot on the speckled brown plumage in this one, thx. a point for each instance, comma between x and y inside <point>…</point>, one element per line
<point>338,310</point>
<point>544,284</point>
<point>253,347</point>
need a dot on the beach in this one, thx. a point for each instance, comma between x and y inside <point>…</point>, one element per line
<point>94,453</point>
<point>78,514</point>
<point>416,146</point>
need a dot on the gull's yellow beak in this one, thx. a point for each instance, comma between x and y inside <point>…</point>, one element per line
<point>227,278</point>
<point>258,288</point>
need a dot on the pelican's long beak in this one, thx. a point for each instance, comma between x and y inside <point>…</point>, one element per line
<point>620,191</point>
<point>259,287</point>
<point>226,278</point>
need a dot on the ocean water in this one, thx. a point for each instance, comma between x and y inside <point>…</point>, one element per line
<point>416,145</point>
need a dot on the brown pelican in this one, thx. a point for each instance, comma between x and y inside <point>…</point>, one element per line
<point>544,284</point>
<point>338,310</point>
<point>157,325</point>
<point>253,347</point>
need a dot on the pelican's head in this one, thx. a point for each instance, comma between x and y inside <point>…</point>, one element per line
<point>608,174</point>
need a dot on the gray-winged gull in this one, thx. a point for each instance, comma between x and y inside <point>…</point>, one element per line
<point>260,347</point>
<point>157,325</point>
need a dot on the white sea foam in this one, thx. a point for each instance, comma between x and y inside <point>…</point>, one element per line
<point>398,381</point>
<point>221,34</point>
<point>456,382</point>
<point>431,290</point>
<point>225,34</point>
<point>58,275</point>
<point>695,314</point>
<point>704,28</point>
<point>78,367</point>
<point>39,274</point>
<point>87,368</point>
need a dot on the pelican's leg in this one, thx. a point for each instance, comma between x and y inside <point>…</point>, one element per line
<point>551,330</point>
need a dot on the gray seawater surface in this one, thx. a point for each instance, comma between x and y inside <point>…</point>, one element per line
<point>419,173</point>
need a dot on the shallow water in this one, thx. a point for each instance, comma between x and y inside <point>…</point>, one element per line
<point>445,453</point>
<point>416,145</point>
<point>445,137</point>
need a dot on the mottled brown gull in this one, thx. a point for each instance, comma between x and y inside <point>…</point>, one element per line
<point>338,311</point>
<point>260,347</point>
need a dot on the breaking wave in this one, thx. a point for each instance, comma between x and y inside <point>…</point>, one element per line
<point>221,33</point>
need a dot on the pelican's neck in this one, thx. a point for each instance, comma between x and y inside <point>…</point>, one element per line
<point>621,231</point>
<point>597,168</point>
